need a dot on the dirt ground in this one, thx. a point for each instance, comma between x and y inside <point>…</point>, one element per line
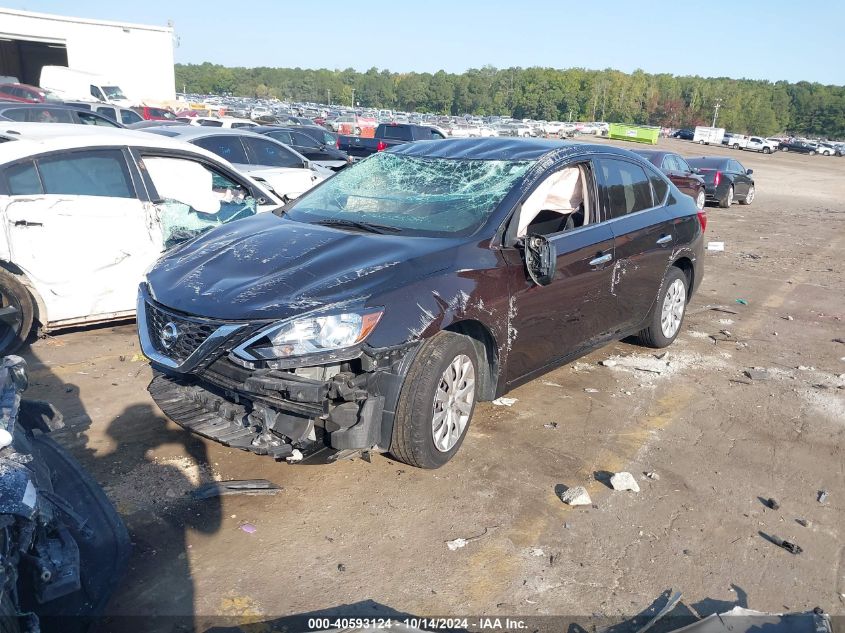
<point>374,534</point>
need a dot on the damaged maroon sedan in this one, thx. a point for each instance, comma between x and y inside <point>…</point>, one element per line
<point>372,313</point>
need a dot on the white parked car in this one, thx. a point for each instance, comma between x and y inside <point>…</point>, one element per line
<point>260,111</point>
<point>228,122</point>
<point>85,210</point>
<point>285,171</point>
<point>465,130</point>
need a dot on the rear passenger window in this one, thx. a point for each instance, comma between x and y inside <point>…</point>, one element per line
<point>90,173</point>
<point>271,154</point>
<point>23,179</point>
<point>128,117</point>
<point>626,186</point>
<point>228,147</point>
<point>108,113</point>
<point>661,188</point>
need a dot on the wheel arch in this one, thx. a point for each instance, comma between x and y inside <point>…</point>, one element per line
<point>40,316</point>
<point>486,353</point>
<point>688,268</point>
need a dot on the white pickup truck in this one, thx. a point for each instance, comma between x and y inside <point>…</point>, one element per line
<point>760,144</point>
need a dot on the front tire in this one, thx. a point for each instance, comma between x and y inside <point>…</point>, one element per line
<point>766,150</point>
<point>812,153</point>
<point>436,402</point>
<point>668,313</point>
<point>18,310</point>
<point>728,199</point>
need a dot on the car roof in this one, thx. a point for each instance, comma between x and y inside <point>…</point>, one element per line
<point>189,132</point>
<point>7,105</point>
<point>498,148</point>
<point>37,138</point>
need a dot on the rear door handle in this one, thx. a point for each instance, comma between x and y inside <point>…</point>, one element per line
<point>664,240</point>
<point>598,261</point>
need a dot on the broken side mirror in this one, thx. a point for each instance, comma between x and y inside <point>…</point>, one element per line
<point>749,171</point>
<point>540,259</point>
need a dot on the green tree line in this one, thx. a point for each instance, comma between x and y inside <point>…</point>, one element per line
<point>748,106</point>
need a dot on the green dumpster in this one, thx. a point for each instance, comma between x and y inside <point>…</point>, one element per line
<point>637,133</point>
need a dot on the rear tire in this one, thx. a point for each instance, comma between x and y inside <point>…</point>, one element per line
<point>15,329</point>
<point>749,197</point>
<point>812,153</point>
<point>766,150</point>
<point>413,426</point>
<point>727,200</point>
<point>785,149</point>
<point>675,283</point>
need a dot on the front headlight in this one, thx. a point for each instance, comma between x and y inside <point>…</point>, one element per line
<point>308,336</point>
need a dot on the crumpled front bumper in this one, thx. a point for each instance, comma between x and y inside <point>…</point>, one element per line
<point>282,414</point>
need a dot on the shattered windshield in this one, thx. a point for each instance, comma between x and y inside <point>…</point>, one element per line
<point>113,92</point>
<point>421,196</point>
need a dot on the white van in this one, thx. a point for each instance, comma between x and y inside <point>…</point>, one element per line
<point>707,135</point>
<point>76,84</point>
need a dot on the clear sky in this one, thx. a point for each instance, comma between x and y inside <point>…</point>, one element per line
<point>757,39</point>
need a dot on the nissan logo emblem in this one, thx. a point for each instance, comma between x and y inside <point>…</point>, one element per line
<point>169,335</point>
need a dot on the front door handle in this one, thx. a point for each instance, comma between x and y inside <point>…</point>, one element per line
<point>664,240</point>
<point>27,223</point>
<point>603,259</point>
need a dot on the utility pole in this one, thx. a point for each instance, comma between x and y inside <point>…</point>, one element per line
<point>716,111</point>
<point>329,95</point>
<point>353,98</point>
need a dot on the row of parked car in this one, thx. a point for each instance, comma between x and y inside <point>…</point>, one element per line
<point>764,145</point>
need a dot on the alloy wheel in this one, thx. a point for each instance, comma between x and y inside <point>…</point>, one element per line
<point>700,200</point>
<point>453,402</point>
<point>672,312</point>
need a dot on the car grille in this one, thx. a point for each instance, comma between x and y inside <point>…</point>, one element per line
<point>191,333</point>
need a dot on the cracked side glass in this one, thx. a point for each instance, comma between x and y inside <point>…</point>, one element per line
<point>194,199</point>
<point>425,196</point>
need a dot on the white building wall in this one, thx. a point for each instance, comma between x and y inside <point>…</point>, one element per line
<point>137,57</point>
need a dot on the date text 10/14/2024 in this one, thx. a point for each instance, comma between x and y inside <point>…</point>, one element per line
<point>428,624</point>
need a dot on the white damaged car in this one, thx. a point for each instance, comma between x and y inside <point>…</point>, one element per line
<point>86,210</point>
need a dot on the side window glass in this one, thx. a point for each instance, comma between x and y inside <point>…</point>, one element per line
<point>97,93</point>
<point>127,117</point>
<point>668,163</point>
<point>626,187</point>
<point>107,112</point>
<point>303,140</point>
<point>281,136</point>
<point>23,180</point>
<point>192,197</point>
<point>89,118</point>
<point>91,173</point>
<point>660,187</point>
<point>271,154</point>
<point>683,165</point>
<point>228,147</point>
<point>436,135</point>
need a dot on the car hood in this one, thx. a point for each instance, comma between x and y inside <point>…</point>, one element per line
<point>267,267</point>
<point>285,181</point>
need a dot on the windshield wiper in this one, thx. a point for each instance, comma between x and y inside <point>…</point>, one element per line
<point>356,224</point>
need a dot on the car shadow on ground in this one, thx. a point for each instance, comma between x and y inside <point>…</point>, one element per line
<point>151,494</point>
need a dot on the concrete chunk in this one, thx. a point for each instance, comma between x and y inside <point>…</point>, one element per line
<point>576,496</point>
<point>624,481</point>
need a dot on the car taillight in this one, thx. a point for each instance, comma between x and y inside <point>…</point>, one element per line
<point>337,142</point>
<point>702,219</point>
<point>718,178</point>
<point>381,146</point>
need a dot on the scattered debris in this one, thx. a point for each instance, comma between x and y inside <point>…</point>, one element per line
<point>536,551</point>
<point>772,503</point>
<point>790,547</point>
<point>249,528</point>
<point>743,302</point>
<point>236,487</point>
<point>653,475</point>
<point>550,425</point>
<point>624,481</point>
<point>673,602</point>
<point>716,246</point>
<point>839,340</point>
<point>505,402</point>
<point>576,496</point>
<point>788,317</point>
<point>822,496</point>
<point>757,373</point>
<point>805,368</point>
<point>608,362</point>
<point>804,522</point>
<point>687,552</point>
<point>549,383</point>
<point>723,309</point>
<point>341,567</point>
<point>590,390</point>
<point>460,542</point>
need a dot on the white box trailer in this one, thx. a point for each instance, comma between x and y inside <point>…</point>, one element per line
<point>707,135</point>
<point>76,84</point>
